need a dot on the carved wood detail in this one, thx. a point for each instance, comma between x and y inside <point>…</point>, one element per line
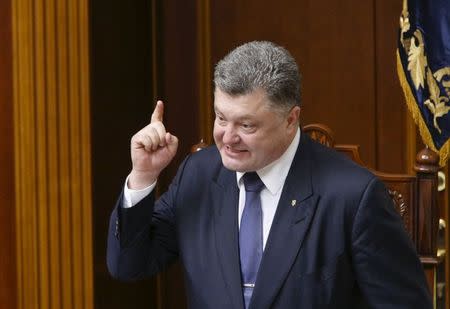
<point>400,206</point>
<point>320,133</point>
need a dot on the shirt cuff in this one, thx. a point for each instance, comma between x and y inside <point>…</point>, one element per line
<point>132,197</point>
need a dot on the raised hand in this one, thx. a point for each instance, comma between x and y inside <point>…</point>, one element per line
<point>152,149</point>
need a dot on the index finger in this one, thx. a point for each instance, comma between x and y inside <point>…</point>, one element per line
<point>158,112</point>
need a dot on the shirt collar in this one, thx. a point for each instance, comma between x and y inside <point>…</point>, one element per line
<point>274,174</point>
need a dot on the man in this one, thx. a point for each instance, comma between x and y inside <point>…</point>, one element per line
<point>266,218</point>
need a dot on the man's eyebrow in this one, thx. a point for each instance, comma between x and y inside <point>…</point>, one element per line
<point>245,118</point>
<point>240,118</point>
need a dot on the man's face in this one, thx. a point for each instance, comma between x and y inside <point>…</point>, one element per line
<point>249,133</point>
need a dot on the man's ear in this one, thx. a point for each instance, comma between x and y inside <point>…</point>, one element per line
<point>293,117</point>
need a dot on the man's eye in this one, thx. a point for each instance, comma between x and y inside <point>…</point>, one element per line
<point>220,120</point>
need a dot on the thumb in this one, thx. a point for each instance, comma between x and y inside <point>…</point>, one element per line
<point>172,142</point>
<point>158,112</point>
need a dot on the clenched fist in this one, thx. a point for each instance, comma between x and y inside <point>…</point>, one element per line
<point>152,149</point>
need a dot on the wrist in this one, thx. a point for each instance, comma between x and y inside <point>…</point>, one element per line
<point>139,180</point>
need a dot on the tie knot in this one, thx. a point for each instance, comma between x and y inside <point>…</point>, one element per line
<point>252,182</point>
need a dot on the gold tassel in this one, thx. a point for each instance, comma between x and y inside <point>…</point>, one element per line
<point>417,116</point>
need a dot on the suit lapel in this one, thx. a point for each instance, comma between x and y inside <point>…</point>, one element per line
<point>290,225</point>
<point>226,198</point>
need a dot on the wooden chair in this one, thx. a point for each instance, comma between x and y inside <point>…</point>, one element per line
<point>415,197</point>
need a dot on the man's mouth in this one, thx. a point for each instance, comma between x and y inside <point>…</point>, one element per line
<point>232,150</point>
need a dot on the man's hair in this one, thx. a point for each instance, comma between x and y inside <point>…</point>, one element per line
<point>260,65</point>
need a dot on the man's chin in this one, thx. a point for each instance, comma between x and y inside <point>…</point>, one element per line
<point>234,165</point>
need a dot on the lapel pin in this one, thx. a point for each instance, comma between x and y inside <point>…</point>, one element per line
<point>293,203</point>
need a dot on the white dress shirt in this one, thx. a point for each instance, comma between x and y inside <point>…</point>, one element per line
<point>272,175</point>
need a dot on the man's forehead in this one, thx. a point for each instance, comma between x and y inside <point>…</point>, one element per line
<point>245,110</point>
<point>258,95</point>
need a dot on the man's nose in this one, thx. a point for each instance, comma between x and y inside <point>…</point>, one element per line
<point>230,135</point>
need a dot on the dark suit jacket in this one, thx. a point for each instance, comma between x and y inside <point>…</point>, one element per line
<point>342,245</point>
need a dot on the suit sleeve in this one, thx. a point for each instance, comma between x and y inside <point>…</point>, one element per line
<point>388,270</point>
<point>142,239</point>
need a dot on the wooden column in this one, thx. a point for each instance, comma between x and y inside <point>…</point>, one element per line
<point>7,214</point>
<point>205,74</point>
<point>426,167</point>
<point>428,217</point>
<point>52,153</point>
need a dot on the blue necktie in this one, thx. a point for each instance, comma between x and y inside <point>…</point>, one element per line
<point>251,234</point>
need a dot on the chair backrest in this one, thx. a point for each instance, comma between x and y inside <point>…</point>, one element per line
<point>414,195</point>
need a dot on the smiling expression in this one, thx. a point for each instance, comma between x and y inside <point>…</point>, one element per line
<point>249,133</point>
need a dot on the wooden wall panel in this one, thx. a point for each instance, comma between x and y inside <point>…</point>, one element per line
<point>345,50</point>
<point>204,71</point>
<point>141,51</point>
<point>332,41</point>
<point>7,201</point>
<point>179,76</point>
<point>52,154</point>
<point>122,100</point>
<point>393,152</point>
<point>180,83</point>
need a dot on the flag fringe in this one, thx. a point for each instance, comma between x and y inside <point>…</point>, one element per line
<point>417,116</point>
